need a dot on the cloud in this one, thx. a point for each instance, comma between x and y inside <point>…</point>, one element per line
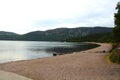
<point>22,16</point>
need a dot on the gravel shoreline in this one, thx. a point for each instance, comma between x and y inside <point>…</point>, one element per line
<point>84,65</point>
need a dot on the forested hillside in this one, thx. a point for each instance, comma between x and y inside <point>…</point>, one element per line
<point>59,34</point>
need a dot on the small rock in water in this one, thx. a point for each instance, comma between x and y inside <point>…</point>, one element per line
<point>54,54</point>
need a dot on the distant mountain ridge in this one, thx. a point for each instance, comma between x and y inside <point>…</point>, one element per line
<point>4,35</point>
<point>7,33</point>
<point>58,34</point>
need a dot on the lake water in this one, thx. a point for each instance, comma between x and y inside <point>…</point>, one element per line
<point>24,50</point>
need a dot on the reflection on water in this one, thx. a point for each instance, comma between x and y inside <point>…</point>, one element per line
<point>23,50</point>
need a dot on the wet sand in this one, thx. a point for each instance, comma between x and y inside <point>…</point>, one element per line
<point>84,65</point>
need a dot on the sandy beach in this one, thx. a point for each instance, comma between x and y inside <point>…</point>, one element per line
<point>85,65</point>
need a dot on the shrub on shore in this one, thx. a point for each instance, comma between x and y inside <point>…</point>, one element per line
<point>115,55</point>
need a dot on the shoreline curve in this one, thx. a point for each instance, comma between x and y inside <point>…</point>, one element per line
<point>84,65</point>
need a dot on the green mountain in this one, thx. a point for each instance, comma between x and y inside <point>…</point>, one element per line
<point>8,35</point>
<point>59,34</point>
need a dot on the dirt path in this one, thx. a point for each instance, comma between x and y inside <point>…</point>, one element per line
<point>85,65</point>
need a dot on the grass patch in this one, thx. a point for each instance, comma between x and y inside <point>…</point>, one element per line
<point>107,58</point>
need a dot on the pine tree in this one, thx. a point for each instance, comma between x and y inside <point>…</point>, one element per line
<point>116,29</point>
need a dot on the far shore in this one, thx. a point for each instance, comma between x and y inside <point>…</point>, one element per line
<point>85,65</point>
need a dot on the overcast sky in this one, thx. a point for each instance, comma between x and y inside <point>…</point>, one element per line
<point>22,16</point>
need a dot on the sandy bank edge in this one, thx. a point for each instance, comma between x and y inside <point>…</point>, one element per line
<point>54,64</point>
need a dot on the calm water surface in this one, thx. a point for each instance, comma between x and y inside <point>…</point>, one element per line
<point>24,50</point>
